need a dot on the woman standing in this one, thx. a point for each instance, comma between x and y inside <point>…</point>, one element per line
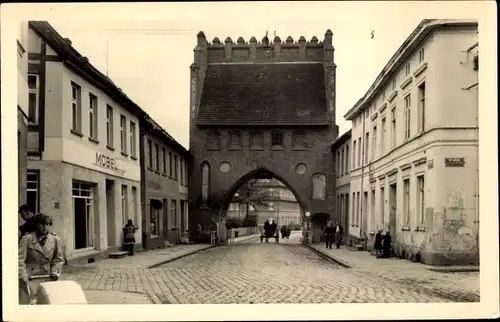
<point>129,236</point>
<point>40,259</point>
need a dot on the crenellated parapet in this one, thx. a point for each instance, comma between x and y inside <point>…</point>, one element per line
<point>265,50</point>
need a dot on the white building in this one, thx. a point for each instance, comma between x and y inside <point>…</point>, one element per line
<point>22,108</point>
<point>83,147</point>
<point>415,147</point>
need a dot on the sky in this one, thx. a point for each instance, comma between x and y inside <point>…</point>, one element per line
<point>149,59</point>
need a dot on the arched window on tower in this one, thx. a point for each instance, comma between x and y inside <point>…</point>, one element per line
<point>319,186</point>
<point>205,181</point>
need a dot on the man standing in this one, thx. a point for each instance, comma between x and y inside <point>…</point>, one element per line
<point>29,225</point>
<point>339,232</point>
<point>329,235</point>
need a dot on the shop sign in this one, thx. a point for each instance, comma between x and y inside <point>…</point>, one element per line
<point>454,162</point>
<point>107,162</point>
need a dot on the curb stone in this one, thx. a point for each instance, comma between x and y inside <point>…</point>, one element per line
<point>331,257</point>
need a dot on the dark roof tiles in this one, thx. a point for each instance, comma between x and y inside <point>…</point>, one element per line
<point>263,94</point>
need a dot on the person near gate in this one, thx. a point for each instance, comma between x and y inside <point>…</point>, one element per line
<point>129,236</point>
<point>40,259</point>
<point>338,232</point>
<point>329,235</point>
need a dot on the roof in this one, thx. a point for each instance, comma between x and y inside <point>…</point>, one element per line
<point>264,94</point>
<point>82,66</point>
<point>423,29</point>
<point>342,139</point>
<point>158,130</point>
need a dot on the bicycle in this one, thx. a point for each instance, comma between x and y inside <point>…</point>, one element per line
<point>28,289</point>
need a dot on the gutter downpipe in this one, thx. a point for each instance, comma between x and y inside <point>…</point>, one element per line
<point>362,194</point>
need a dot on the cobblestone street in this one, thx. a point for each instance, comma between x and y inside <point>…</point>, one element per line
<point>246,272</point>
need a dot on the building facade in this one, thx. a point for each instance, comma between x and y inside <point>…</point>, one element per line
<point>244,126</point>
<point>83,143</point>
<point>282,205</point>
<point>164,179</point>
<point>341,149</point>
<point>23,108</point>
<point>414,147</point>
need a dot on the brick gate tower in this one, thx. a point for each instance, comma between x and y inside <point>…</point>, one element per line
<point>261,110</point>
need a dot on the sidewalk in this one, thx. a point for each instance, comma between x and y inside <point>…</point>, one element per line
<point>452,285</point>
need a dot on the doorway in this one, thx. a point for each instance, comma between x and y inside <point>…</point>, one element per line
<point>165,218</point>
<point>110,212</point>
<point>183,224</point>
<point>83,215</point>
<point>392,208</point>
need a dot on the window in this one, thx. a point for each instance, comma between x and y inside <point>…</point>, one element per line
<point>406,201</point>
<point>32,192</point>
<point>123,133</point>
<point>154,220</point>
<point>170,165</point>
<point>135,205</point>
<point>383,96</point>
<point>76,106</point>
<point>358,208</point>
<point>256,140</point>
<point>353,211</point>
<point>347,159</point>
<point>235,140</point>
<point>373,217</point>
<point>421,108</point>
<point>342,156</point>
<point>83,212</point>
<point>382,207</point>
<point>173,212</point>
<point>421,200</point>
<point>150,154</point>
<point>374,143</point>
<point>299,140</point>
<point>407,116</point>
<point>93,134</point>
<point>338,163</point>
<point>393,85</point>
<point>133,150</point>
<point>213,140</point>
<point>359,153</point>
<point>109,126</point>
<point>367,141</point>
<point>354,155</point>
<point>393,127</point>
<point>407,69</point>
<point>176,168</point>
<point>34,94</point>
<point>163,161</point>
<point>276,139</point>
<point>421,56</point>
<point>157,157</point>
<point>124,205</point>
<point>382,137</point>
<point>181,171</point>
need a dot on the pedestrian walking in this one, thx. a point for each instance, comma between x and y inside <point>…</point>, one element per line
<point>129,236</point>
<point>329,235</point>
<point>40,259</point>
<point>378,243</point>
<point>338,232</point>
<point>386,244</point>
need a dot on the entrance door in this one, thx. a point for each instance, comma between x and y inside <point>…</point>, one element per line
<point>110,212</point>
<point>393,208</point>
<point>83,216</point>
<point>165,218</point>
<point>183,224</point>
